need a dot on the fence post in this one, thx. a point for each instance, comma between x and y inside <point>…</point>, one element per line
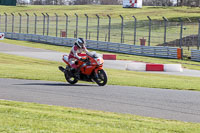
<point>109,27</point>
<point>181,32</point>
<point>13,21</point>
<point>135,28</point>
<point>35,32</point>
<point>56,25</point>
<point>122,28</point>
<point>86,32</point>
<point>6,19</point>
<point>20,22</point>
<point>198,37</point>
<point>165,30</point>
<point>47,24</point>
<point>0,22</point>
<point>76,33</point>
<point>66,27</point>
<point>44,20</point>
<point>98,18</point>
<point>27,23</point>
<point>149,42</point>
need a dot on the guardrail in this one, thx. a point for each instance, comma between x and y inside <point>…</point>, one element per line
<point>156,51</point>
<point>195,55</point>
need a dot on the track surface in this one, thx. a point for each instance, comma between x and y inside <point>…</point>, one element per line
<point>57,56</point>
<point>161,103</point>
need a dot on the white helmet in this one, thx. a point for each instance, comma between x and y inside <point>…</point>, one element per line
<point>80,42</point>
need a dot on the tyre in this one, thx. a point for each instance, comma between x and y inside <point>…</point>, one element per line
<point>101,80</point>
<point>71,79</point>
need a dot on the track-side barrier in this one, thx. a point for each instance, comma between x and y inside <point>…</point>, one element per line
<point>156,51</point>
<point>195,55</point>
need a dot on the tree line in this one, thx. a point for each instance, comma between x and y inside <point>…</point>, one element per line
<point>192,3</point>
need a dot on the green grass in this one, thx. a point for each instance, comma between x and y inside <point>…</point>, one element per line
<point>157,13</point>
<point>28,68</point>
<point>185,63</point>
<point>31,118</point>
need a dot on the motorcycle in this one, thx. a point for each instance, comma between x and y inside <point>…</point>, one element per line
<point>90,69</point>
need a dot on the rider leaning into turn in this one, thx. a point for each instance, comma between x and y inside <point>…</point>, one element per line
<point>77,49</point>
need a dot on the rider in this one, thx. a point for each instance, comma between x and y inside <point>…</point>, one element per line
<point>77,49</point>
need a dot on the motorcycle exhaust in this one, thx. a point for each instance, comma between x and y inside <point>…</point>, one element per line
<point>61,69</point>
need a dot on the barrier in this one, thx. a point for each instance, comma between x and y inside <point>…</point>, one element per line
<point>156,51</point>
<point>136,66</point>
<point>195,55</point>
<point>154,67</point>
<point>173,68</point>
<point>109,57</point>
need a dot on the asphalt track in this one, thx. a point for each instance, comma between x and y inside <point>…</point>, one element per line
<point>151,102</point>
<point>160,103</point>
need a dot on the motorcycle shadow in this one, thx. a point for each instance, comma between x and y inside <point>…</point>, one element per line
<point>56,84</point>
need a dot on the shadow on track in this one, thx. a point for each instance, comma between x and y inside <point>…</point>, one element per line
<point>56,84</point>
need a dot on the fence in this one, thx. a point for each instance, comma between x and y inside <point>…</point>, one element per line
<point>125,30</point>
<point>164,52</point>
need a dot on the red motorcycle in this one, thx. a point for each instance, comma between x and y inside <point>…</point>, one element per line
<point>90,69</point>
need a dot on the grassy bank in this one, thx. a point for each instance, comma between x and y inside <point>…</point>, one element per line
<point>31,117</point>
<point>28,68</point>
<point>185,63</point>
<point>172,13</point>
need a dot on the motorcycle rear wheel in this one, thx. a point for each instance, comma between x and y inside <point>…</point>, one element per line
<point>102,78</point>
<point>71,79</point>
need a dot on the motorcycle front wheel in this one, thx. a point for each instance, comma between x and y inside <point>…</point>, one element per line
<point>101,79</point>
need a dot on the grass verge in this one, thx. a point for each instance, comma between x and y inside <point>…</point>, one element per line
<point>19,67</point>
<point>31,117</point>
<point>185,63</point>
<point>156,13</point>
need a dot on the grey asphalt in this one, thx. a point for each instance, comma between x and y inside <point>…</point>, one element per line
<point>151,102</point>
<point>57,56</point>
<point>159,103</point>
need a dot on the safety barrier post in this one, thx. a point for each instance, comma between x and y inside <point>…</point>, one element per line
<point>56,25</point>
<point>198,37</point>
<point>122,28</point>
<point>181,32</point>
<point>27,23</point>
<point>149,42</point>
<point>0,22</point>
<point>86,31</point>
<point>135,28</point>
<point>109,27</point>
<point>6,20</point>
<point>179,53</point>
<point>66,26</point>
<point>98,18</point>
<point>13,21</point>
<point>165,30</point>
<point>47,24</point>
<point>20,22</point>
<point>44,20</point>
<point>76,32</point>
<point>35,31</point>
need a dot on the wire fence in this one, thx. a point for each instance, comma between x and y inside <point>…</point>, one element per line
<point>127,30</point>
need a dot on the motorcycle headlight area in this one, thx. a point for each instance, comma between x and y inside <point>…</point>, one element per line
<point>99,61</point>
